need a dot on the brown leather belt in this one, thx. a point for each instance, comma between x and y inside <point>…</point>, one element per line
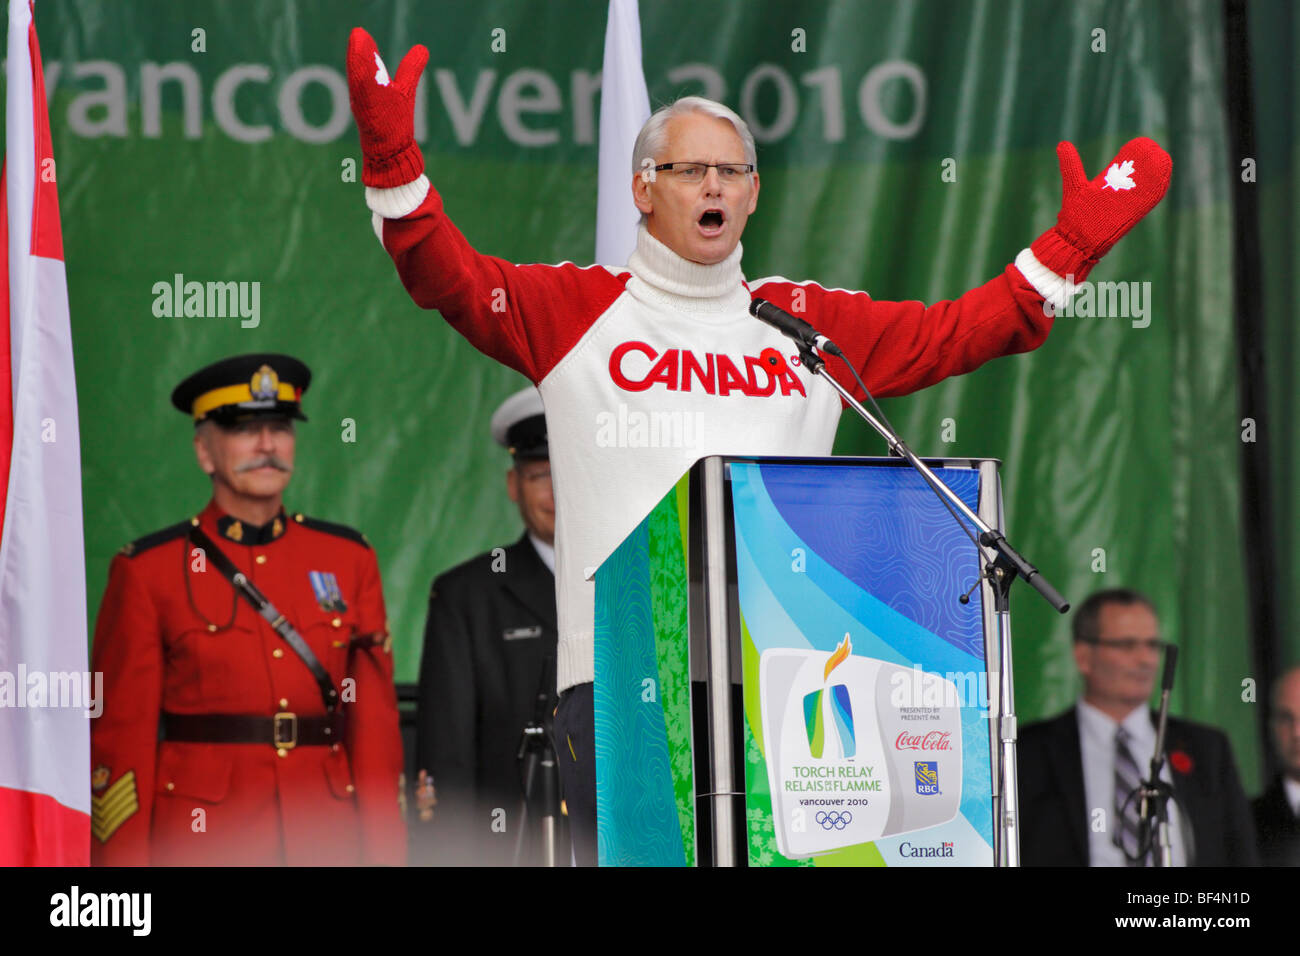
<point>285,730</point>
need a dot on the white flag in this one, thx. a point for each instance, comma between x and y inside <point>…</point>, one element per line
<point>624,108</point>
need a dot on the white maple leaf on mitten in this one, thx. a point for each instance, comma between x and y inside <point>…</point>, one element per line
<point>1096,213</point>
<point>384,107</point>
<point>1119,176</point>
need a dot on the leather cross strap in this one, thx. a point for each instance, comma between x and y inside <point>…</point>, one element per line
<point>279,623</point>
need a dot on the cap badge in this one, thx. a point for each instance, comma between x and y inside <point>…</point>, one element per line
<point>265,384</point>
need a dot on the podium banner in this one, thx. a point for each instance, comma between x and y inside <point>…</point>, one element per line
<point>865,683</point>
<point>645,793</point>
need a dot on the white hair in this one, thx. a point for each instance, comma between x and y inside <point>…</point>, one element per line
<point>654,134</point>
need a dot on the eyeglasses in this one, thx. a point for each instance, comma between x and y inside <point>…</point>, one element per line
<point>541,474</point>
<point>695,172</point>
<point>1130,644</point>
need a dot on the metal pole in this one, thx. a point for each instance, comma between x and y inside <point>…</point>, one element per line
<point>550,786</point>
<point>1010,820</point>
<point>1002,711</point>
<point>990,510</point>
<point>721,782</point>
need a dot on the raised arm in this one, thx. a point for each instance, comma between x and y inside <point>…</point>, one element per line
<point>900,347</point>
<point>525,316</point>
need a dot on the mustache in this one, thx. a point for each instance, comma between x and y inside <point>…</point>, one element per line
<point>266,461</point>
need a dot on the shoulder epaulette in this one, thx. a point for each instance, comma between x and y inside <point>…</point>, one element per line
<point>329,527</point>
<point>141,545</point>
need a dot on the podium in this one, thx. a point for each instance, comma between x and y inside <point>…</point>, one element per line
<point>785,674</point>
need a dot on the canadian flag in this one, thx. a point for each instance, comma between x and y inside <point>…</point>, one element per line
<point>44,719</point>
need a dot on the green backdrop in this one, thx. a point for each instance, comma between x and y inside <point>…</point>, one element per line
<point>1121,443</point>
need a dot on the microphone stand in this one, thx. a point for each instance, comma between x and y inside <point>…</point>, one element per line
<point>1154,793</point>
<point>536,758</point>
<point>1003,564</point>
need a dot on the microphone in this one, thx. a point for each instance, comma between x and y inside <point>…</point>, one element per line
<point>789,325</point>
<point>1166,687</point>
<point>1171,660</point>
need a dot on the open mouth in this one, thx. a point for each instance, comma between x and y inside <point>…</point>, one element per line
<point>711,222</point>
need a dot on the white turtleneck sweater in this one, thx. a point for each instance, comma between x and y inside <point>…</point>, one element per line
<point>647,368</point>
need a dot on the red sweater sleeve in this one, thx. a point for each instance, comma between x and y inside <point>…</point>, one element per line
<point>901,347</point>
<point>525,316</point>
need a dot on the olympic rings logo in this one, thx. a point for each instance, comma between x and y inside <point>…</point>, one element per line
<point>834,820</point>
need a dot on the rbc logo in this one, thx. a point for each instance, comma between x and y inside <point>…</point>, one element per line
<point>927,776</point>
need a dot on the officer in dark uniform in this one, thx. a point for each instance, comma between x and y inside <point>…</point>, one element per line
<point>246,726</point>
<point>488,671</point>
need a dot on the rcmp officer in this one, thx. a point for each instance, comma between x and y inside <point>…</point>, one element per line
<point>488,666</point>
<point>258,724</point>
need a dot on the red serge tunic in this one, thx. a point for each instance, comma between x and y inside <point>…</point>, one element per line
<point>171,637</point>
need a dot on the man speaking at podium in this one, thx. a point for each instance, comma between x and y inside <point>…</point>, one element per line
<point>669,333</point>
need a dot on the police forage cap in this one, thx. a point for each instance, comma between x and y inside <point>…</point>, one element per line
<point>519,425</point>
<point>244,387</point>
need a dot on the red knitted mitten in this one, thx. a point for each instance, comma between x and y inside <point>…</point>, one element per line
<point>385,112</point>
<point>1094,215</point>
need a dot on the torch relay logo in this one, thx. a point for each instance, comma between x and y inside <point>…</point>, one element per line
<point>836,700</point>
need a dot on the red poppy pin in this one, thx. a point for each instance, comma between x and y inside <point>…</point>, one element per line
<point>1181,762</point>
<point>773,359</point>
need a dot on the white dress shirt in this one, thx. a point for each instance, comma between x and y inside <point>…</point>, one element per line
<point>1292,790</point>
<point>544,551</point>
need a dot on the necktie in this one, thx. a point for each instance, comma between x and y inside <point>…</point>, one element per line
<point>1127,779</point>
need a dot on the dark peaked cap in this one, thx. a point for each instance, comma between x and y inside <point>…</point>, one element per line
<point>244,387</point>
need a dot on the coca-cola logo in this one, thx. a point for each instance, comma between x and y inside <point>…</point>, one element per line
<point>934,740</point>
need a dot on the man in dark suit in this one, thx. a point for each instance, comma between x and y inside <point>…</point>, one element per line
<point>1277,809</point>
<point>1076,770</point>
<point>488,670</point>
